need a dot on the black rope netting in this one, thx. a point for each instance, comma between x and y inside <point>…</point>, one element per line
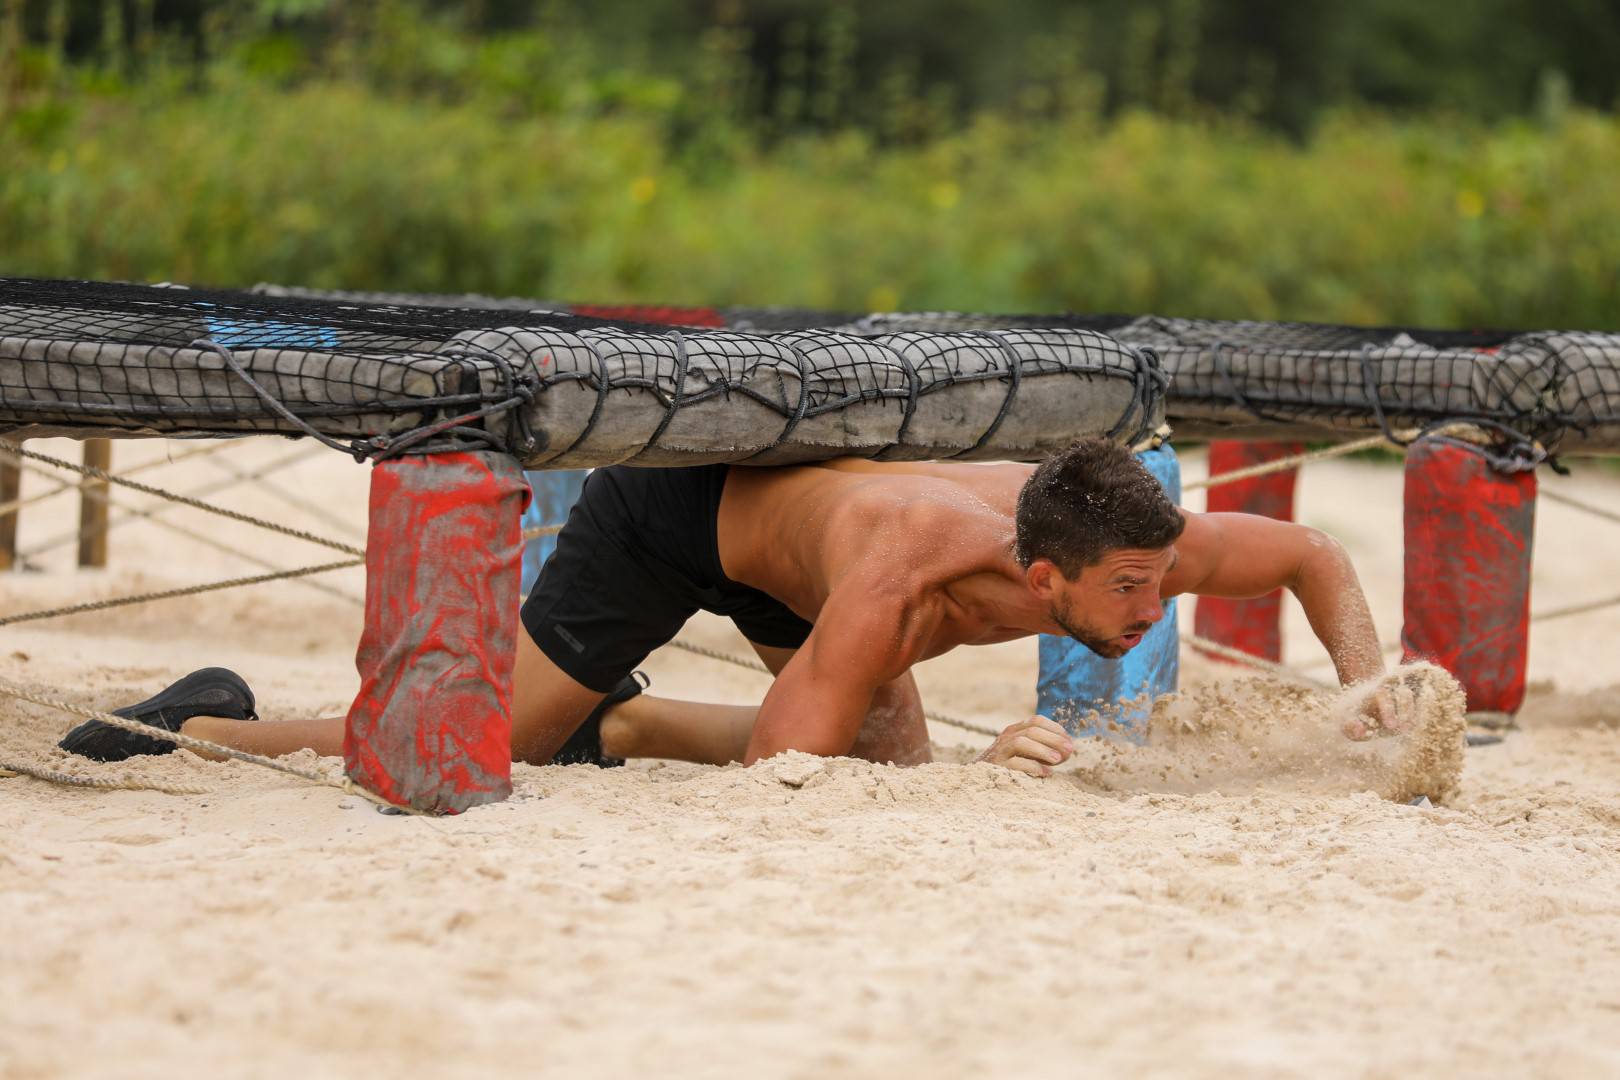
<point>565,385</point>
<point>1532,393</point>
<point>557,389</point>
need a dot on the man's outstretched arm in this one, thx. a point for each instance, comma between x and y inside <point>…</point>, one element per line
<point>1244,555</point>
<point>862,639</point>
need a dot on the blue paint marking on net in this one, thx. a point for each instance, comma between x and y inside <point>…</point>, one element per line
<point>1073,680</point>
<point>268,334</point>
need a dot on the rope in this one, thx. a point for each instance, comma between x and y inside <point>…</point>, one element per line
<point>169,594</point>
<point>216,586</point>
<point>1260,663</point>
<point>69,485</point>
<point>159,506</point>
<point>198,745</point>
<point>51,776</point>
<point>9,447</point>
<point>308,506</point>
<point>755,665</point>
<point>208,541</point>
<point>1574,609</point>
<point>1449,431</point>
<point>1580,504</point>
<point>1289,462</point>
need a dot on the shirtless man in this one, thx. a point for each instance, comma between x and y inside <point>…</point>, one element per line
<point>842,576</point>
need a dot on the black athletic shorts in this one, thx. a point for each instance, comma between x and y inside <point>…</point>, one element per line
<point>637,557</point>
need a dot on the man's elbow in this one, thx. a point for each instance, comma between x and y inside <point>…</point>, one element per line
<point>1323,553</point>
<point>823,741</point>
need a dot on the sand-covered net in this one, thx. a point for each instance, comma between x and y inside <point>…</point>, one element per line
<point>1243,895</point>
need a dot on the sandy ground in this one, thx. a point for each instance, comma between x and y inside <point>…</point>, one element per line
<point>1170,911</point>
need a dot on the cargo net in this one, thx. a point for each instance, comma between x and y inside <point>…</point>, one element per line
<point>555,389</point>
<point>1529,394</point>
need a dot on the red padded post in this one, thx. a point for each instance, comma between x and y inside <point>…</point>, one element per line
<point>431,727</point>
<point>1254,626</point>
<point>1469,532</point>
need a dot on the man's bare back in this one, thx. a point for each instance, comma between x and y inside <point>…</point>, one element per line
<point>929,532</point>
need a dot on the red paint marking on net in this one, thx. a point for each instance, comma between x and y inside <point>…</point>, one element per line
<point>660,315</point>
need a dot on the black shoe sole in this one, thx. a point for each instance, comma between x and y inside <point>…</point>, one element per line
<point>166,710</point>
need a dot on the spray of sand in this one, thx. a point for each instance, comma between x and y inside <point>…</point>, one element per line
<point>1263,734</point>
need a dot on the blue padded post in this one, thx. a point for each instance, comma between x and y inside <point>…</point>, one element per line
<point>1074,680</point>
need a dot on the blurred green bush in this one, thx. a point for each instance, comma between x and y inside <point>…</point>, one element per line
<point>549,173</point>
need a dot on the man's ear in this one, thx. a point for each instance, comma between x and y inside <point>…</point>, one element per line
<point>1044,578</point>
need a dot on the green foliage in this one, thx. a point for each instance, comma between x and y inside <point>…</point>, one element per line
<point>545,161</point>
<point>820,64</point>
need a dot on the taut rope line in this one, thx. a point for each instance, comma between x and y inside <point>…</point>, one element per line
<point>9,447</point>
<point>159,506</point>
<point>69,485</point>
<point>1289,462</point>
<point>1579,504</point>
<point>169,594</point>
<point>51,776</point>
<point>215,586</point>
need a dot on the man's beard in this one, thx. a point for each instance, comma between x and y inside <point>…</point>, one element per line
<point>1109,648</point>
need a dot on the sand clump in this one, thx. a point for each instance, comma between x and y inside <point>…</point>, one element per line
<point>1265,734</point>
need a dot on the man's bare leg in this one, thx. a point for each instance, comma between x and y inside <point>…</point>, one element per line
<point>271,738</point>
<point>548,706</point>
<point>655,727</point>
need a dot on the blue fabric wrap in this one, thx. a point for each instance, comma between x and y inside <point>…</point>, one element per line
<point>554,493</point>
<point>1073,680</point>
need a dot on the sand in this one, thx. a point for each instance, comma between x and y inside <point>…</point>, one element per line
<point>1238,896</point>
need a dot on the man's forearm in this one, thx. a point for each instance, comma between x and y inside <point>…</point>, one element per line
<point>1330,593</point>
<point>809,715</point>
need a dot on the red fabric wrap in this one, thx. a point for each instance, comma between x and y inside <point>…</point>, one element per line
<point>1254,626</point>
<point>1469,531</point>
<point>432,725</point>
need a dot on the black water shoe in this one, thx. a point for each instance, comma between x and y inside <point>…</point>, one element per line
<point>584,747</point>
<point>208,692</point>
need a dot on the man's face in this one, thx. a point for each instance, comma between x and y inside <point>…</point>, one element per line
<point>1112,603</point>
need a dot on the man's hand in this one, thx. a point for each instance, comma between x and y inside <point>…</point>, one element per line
<point>1379,715</point>
<point>1031,746</point>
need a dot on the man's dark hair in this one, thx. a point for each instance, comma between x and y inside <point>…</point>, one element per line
<point>1090,499</point>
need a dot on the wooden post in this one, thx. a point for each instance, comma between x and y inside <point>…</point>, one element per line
<point>10,488</point>
<point>93,505</point>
